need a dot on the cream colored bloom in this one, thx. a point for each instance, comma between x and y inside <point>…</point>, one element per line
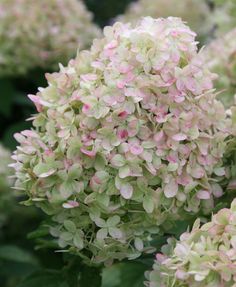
<point>204,257</point>
<point>41,33</point>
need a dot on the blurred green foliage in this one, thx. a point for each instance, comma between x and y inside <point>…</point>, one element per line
<point>105,10</point>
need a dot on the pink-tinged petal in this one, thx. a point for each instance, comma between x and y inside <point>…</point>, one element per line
<point>217,190</point>
<point>19,138</point>
<point>49,152</point>
<point>29,133</point>
<point>197,172</point>
<point>89,77</point>
<point>36,101</point>
<point>161,118</point>
<point>124,69</point>
<point>172,158</point>
<point>179,137</point>
<point>111,45</point>
<point>160,257</point>
<point>171,189</point>
<point>47,174</point>
<point>182,275</point>
<point>122,115</point>
<point>136,149</point>
<point>63,133</point>
<point>184,179</point>
<point>232,185</point>
<point>121,84</point>
<point>203,194</point>
<point>129,77</point>
<point>70,204</point>
<point>97,64</point>
<point>85,108</point>
<point>122,134</point>
<point>180,85</point>
<point>179,98</point>
<point>191,84</point>
<point>90,153</point>
<point>159,136</point>
<point>126,190</point>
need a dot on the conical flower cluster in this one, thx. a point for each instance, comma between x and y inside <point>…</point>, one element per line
<point>128,135</point>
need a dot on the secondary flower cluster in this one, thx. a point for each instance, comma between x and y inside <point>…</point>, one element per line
<point>5,183</point>
<point>194,12</point>
<point>220,57</point>
<point>127,135</point>
<point>204,257</point>
<point>42,33</point>
<point>223,17</point>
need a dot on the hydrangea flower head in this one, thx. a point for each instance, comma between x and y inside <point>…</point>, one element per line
<point>223,17</point>
<point>204,257</point>
<point>220,57</point>
<point>128,134</point>
<point>42,33</point>
<point>194,12</point>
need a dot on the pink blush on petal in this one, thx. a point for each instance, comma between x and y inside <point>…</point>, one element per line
<point>90,153</point>
<point>136,149</point>
<point>122,134</point>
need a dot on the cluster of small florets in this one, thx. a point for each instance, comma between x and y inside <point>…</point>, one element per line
<point>5,183</point>
<point>194,12</point>
<point>223,16</point>
<point>204,257</point>
<point>220,57</point>
<point>127,135</point>
<point>42,33</point>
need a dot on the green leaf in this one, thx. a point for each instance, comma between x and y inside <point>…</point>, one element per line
<point>7,95</point>
<point>45,278</point>
<point>90,277</point>
<point>130,274</point>
<point>14,253</point>
<point>111,276</point>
